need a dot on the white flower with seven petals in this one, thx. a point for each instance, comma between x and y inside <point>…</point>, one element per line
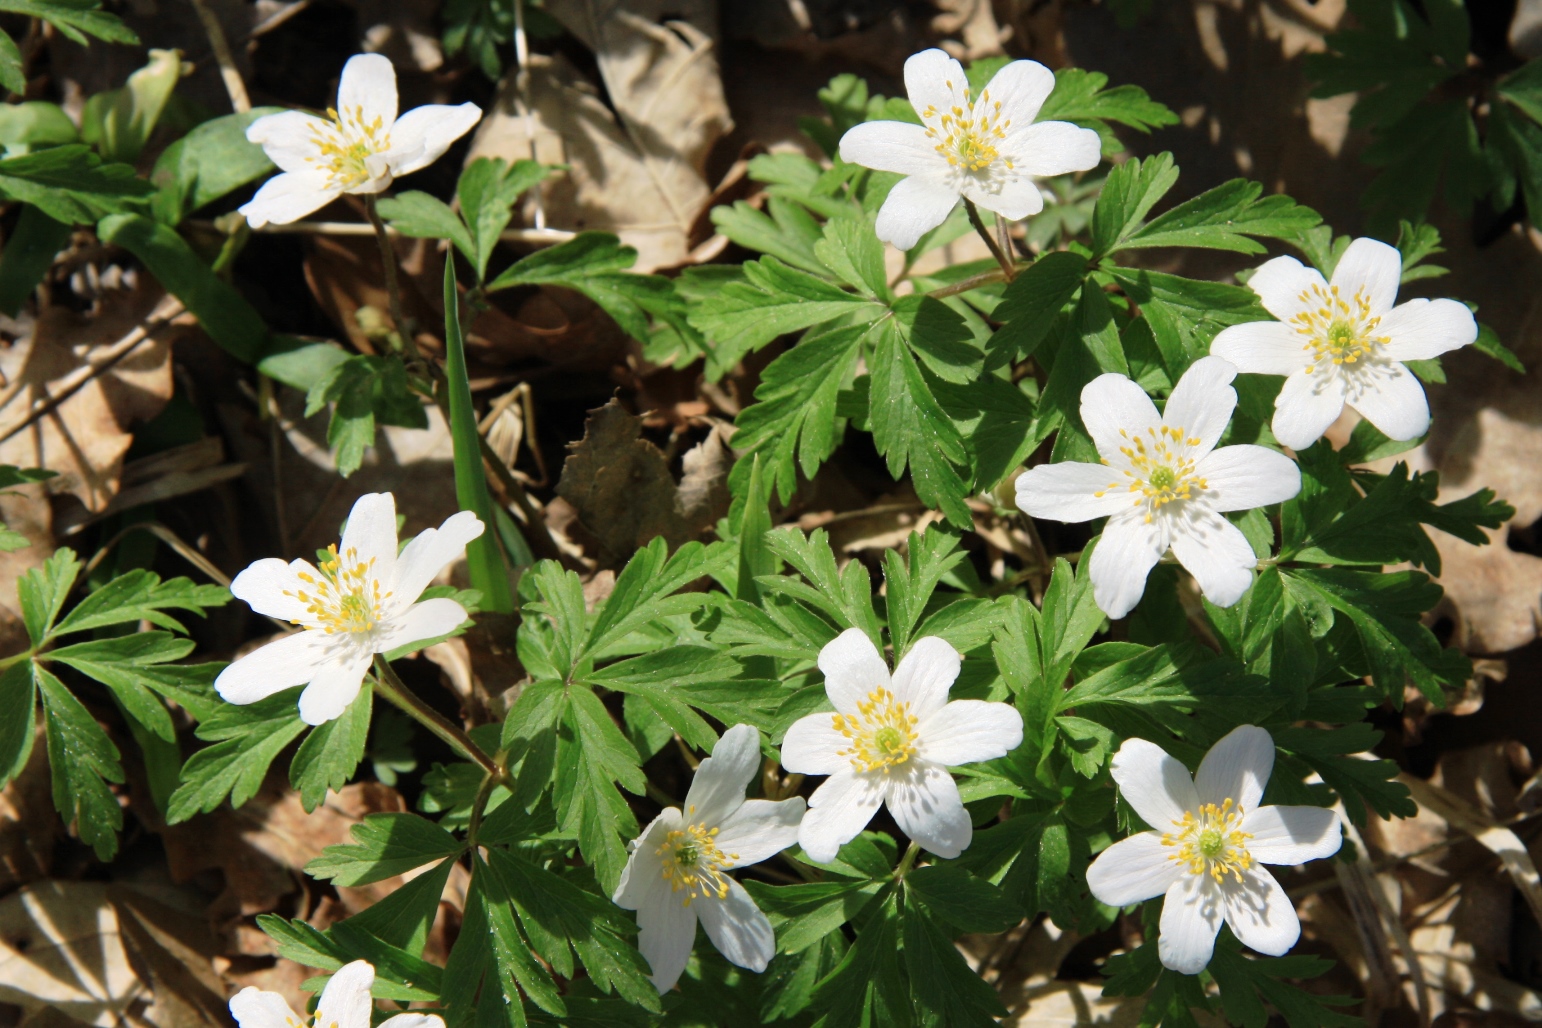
<point>677,872</point>
<point>359,603</point>
<point>986,149</point>
<point>892,740</point>
<point>1210,838</point>
<point>1343,343</point>
<point>1163,485</point>
<point>344,1003</point>
<point>359,147</point>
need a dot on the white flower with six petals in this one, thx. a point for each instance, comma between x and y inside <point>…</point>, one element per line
<point>359,147</point>
<point>344,1003</point>
<point>1343,343</point>
<point>1163,485</point>
<point>1210,836</point>
<point>677,871</point>
<point>891,740</point>
<point>357,604</point>
<point>987,150</point>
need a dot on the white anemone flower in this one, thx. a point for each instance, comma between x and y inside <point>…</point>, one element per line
<point>1343,343</point>
<point>891,740</point>
<point>1210,838</point>
<point>1163,485</point>
<point>359,147</point>
<point>358,603</point>
<point>987,149</point>
<point>344,1003</point>
<point>676,874</point>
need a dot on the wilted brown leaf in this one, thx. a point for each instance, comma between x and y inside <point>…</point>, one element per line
<point>60,946</point>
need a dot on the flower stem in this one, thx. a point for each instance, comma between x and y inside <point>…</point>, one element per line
<point>393,287</point>
<point>909,859</point>
<point>984,278</point>
<point>990,240</point>
<point>395,690</point>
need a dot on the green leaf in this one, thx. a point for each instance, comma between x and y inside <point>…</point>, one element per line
<point>592,755</point>
<point>1079,96</point>
<point>910,581</point>
<point>140,595</point>
<point>421,216</point>
<point>940,981</point>
<point>967,903</point>
<point>118,122</point>
<point>515,962</point>
<point>330,753</point>
<point>76,19</point>
<point>1244,981</point>
<point>1223,218</point>
<point>246,740</point>
<point>18,694</point>
<point>213,160</point>
<point>83,760</point>
<point>12,75</point>
<point>1487,344</point>
<point>854,255</point>
<point>403,918</point>
<point>595,264</point>
<point>850,994</point>
<point>489,576</point>
<point>385,845</point>
<point>299,363</point>
<point>644,590</point>
<point>1129,193</point>
<point>41,593</point>
<point>126,665</point>
<point>29,253</point>
<point>71,184</point>
<point>34,125</point>
<point>805,914</point>
<point>488,189</point>
<point>364,389</point>
<point>222,311</point>
<point>1029,305</point>
<point>1334,755</point>
<point>784,231</point>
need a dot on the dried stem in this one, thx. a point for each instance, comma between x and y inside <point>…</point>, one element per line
<point>229,73</point>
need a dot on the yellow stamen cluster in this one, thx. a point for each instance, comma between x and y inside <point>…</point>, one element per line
<point>967,138</point>
<point>1161,470</point>
<point>882,732</point>
<point>346,598</point>
<point>1211,841</point>
<point>693,863</point>
<point>343,146</point>
<point>1341,330</point>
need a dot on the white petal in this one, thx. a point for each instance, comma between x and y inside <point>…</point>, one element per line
<point>897,146</point>
<point>1306,406</point>
<point>412,1021</point>
<point>914,207</point>
<point>345,1001</point>
<point>837,813</point>
<point>718,787</point>
<point>1373,266</point>
<point>812,746</point>
<point>1202,403</point>
<point>289,139</point>
<point>644,871</point>
<point>1154,783</point>
<point>1020,89</point>
<point>666,930</point>
<point>1216,553</point>
<point>1245,476</point>
<point>852,667</point>
<point>1053,148</point>
<point>925,675</point>
<point>1236,768</point>
<point>1261,916</point>
<point>760,829</point>
<point>933,79</point>
<point>427,554</point>
<point>1126,552</point>
<point>1421,329</point>
<point>257,1008</point>
<point>1112,404</point>
<point>1072,491</point>
<point>737,928</point>
<point>1133,869</point>
<point>271,587</point>
<point>1013,198</point>
<point>1391,397</point>
<point>1262,348</point>
<point>422,135</point>
<point>287,198</point>
<point>925,803</point>
<point>367,90</point>
<point>332,690</point>
<point>1280,284</point>
<point>1292,835</point>
<point>370,534</point>
<point>281,664</point>
<point>967,731</point>
<point>1192,913</point>
<point>427,620</point>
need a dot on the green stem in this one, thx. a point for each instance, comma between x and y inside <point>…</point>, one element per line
<point>17,658</point>
<point>990,240</point>
<point>392,688</point>
<point>984,278</point>
<point>479,808</point>
<point>909,859</point>
<point>393,287</point>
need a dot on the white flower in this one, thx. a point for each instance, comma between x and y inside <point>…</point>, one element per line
<point>1163,485</point>
<point>676,873</point>
<point>1343,343</point>
<point>1210,837</point>
<point>357,604</point>
<point>986,150</point>
<point>359,147</point>
<point>344,1003</point>
<point>892,740</point>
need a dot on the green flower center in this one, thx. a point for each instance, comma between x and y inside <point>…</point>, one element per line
<point>1163,478</point>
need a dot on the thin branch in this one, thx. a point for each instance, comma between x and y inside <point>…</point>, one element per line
<point>229,73</point>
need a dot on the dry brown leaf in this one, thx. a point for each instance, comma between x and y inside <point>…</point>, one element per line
<point>28,823</point>
<point>637,170</point>
<point>60,946</point>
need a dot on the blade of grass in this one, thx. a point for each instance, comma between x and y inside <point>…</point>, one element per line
<point>483,556</point>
